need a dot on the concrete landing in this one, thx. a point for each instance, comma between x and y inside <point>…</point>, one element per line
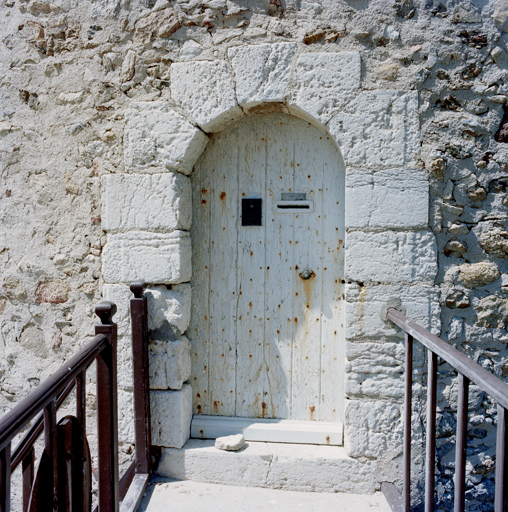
<point>186,496</point>
<point>289,467</point>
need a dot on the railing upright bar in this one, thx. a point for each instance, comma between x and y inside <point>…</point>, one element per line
<point>28,465</point>
<point>107,411</point>
<point>407,423</point>
<point>501,493</point>
<point>461,445</point>
<point>139,317</point>
<point>5,478</point>
<point>50,448</point>
<point>430,452</point>
<point>81,399</point>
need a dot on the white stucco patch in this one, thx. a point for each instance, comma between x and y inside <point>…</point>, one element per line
<point>262,72</point>
<point>323,83</point>
<point>156,138</point>
<point>156,257</point>
<point>169,307</point>
<point>378,129</point>
<point>205,91</point>
<point>158,202</point>
<point>391,256</point>
<point>391,198</point>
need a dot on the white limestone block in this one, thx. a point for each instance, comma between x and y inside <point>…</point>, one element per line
<point>170,363</point>
<point>323,83</point>
<point>171,414</point>
<point>157,138</point>
<point>171,307</point>
<point>391,256</point>
<point>388,198</point>
<point>165,306</point>
<point>366,308</point>
<point>262,72</point>
<point>154,257</point>
<point>155,202</point>
<point>206,92</point>
<point>230,443</point>
<point>373,429</point>
<point>379,129</point>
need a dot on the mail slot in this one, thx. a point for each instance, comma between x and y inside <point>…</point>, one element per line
<point>252,212</point>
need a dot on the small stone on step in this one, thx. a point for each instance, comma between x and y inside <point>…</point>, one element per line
<point>230,443</point>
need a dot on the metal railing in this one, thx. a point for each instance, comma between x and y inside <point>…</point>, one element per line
<point>63,481</point>
<point>468,371</point>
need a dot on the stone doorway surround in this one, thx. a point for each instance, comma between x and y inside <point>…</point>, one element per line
<point>390,256</point>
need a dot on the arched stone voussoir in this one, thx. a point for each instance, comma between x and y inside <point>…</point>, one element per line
<point>157,137</point>
<point>262,73</point>
<point>322,84</point>
<point>206,93</point>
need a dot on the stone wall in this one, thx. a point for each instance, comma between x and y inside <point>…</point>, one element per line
<point>80,81</point>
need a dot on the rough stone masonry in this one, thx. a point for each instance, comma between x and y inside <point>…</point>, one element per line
<point>106,105</point>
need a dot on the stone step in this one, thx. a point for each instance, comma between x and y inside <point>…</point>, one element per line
<point>188,496</point>
<point>292,467</point>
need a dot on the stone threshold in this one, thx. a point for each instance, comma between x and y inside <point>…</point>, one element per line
<point>268,430</point>
<point>293,467</point>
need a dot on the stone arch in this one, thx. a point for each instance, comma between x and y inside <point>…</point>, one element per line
<point>147,208</point>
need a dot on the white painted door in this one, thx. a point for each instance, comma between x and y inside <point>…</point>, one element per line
<point>266,342</point>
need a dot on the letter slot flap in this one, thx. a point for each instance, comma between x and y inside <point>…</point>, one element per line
<point>294,202</point>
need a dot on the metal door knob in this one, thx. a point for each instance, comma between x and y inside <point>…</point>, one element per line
<point>307,274</point>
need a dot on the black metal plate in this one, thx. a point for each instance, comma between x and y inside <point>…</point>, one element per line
<point>251,212</point>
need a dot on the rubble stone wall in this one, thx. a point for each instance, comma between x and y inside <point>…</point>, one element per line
<point>105,106</point>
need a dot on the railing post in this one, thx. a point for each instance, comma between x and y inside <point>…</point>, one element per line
<point>501,499</point>
<point>50,448</point>
<point>430,452</point>
<point>139,317</point>
<point>5,479</point>
<point>461,445</point>
<point>407,423</point>
<point>107,411</point>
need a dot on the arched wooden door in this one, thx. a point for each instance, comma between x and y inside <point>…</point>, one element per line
<point>267,323</point>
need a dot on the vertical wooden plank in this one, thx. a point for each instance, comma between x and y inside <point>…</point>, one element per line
<point>461,445</point>
<point>279,272</point>
<point>332,329</point>
<point>408,396</point>
<point>251,400</point>
<point>28,477</point>
<point>50,447</point>
<point>198,331</point>
<point>308,254</point>
<point>430,452</point>
<point>224,219</point>
<point>501,493</point>
<point>107,411</point>
<point>5,479</point>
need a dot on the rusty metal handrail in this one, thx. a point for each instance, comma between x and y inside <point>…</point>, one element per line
<point>63,480</point>
<point>491,384</point>
<point>468,371</point>
<point>19,416</point>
